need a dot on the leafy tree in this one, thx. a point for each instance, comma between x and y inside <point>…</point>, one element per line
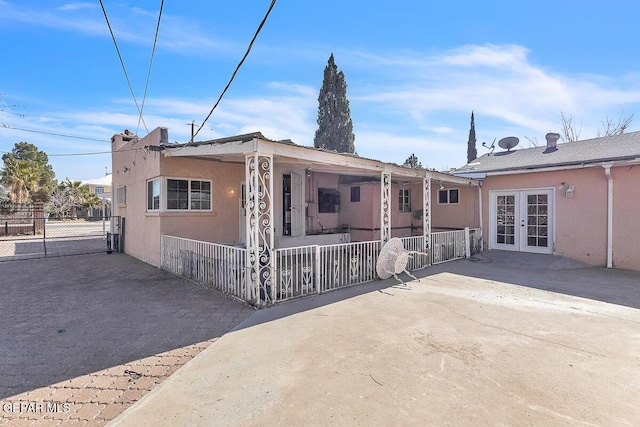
<point>5,200</point>
<point>38,164</point>
<point>412,162</point>
<point>335,128</point>
<point>472,152</point>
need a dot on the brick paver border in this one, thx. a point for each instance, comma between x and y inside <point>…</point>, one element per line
<point>97,398</point>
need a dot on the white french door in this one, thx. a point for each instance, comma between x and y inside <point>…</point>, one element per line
<point>522,220</point>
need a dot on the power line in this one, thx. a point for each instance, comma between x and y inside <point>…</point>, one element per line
<point>51,133</point>
<point>153,51</point>
<point>84,154</point>
<point>255,36</point>
<point>123,67</point>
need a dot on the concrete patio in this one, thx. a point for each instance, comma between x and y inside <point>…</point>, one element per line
<point>503,339</point>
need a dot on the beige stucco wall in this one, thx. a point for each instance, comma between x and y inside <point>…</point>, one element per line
<point>143,229</point>
<point>222,223</point>
<point>132,166</point>
<point>466,213</point>
<point>626,217</point>
<point>360,216</point>
<point>581,221</point>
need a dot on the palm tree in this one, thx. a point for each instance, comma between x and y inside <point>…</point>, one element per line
<point>75,193</point>
<point>20,179</point>
<point>90,200</point>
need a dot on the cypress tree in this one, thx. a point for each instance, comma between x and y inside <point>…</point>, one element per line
<point>335,129</point>
<point>472,152</point>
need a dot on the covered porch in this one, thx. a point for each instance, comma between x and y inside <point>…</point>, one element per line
<point>310,220</point>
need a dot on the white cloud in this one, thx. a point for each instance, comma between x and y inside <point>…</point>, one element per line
<point>77,6</point>
<point>130,24</point>
<point>498,82</point>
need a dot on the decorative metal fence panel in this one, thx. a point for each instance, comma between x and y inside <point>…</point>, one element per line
<point>447,246</point>
<point>418,260</point>
<point>299,271</point>
<point>25,235</point>
<point>347,264</point>
<point>296,272</point>
<point>221,266</point>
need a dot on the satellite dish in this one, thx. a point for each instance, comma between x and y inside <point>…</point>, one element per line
<point>417,214</point>
<point>509,142</point>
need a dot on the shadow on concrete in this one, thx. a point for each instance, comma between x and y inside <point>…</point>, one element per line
<point>555,274</point>
<point>69,316</point>
<point>545,272</point>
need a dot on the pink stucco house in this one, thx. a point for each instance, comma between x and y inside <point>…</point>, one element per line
<point>269,220</point>
<point>579,199</point>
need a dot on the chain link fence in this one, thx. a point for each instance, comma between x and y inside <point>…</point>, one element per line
<point>30,233</point>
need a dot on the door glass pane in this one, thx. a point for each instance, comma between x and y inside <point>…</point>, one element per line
<point>505,219</point>
<point>537,220</point>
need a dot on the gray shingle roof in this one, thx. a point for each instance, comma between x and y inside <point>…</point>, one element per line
<point>596,150</point>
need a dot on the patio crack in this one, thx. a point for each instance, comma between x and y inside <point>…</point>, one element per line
<point>526,335</point>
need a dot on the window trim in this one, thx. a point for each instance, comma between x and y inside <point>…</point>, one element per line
<point>121,191</point>
<point>448,193</point>
<point>160,198</point>
<point>404,200</point>
<point>164,195</point>
<point>355,193</point>
<point>331,202</point>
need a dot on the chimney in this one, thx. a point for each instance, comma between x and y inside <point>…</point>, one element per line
<point>164,136</point>
<point>552,140</point>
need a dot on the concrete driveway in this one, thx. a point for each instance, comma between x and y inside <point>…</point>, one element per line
<point>498,341</point>
<point>96,333</point>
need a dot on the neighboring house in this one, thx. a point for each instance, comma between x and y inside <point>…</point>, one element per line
<point>250,192</point>
<point>101,187</point>
<point>579,199</point>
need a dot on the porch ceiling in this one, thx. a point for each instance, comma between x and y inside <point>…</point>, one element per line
<point>312,159</point>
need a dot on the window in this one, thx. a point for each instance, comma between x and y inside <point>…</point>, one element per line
<point>177,194</point>
<point>99,190</point>
<point>153,195</point>
<point>448,196</point>
<point>200,195</point>
<point>355,194</point>
<point>121,195</point>
<point>183,194</point>
<point>404,200</point>
<point>328,200</point>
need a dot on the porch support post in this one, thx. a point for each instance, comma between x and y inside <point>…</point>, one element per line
<point>385,207</point>
<point>259,228</point>
<point>426,216</point>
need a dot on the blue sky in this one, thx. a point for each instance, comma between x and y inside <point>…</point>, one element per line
<point>414,70</point>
